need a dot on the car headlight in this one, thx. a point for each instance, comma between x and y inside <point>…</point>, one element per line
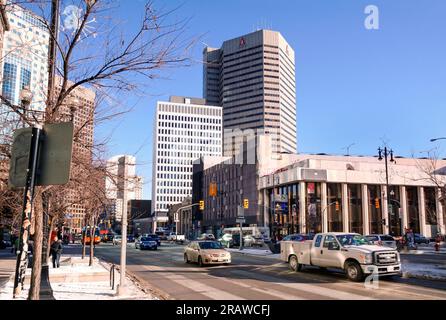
<point>367,258</point>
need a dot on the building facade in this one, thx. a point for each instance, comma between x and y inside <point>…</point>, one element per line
<point>349,194</point>
<point>185,130</point>
<point>25,57</point>
<point>122,184</point>
<point>253,78</point>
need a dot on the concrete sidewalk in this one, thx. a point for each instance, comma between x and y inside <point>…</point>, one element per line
<point>7,265</point>
<point>76,280</point>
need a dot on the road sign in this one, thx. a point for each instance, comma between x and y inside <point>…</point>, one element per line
<point>240,220</point>
<point>54,162</point>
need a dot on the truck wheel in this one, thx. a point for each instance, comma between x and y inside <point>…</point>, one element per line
<point>354,271</point>
<point>294,264</point>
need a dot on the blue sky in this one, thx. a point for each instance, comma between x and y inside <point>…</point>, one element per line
<point>353,85</point>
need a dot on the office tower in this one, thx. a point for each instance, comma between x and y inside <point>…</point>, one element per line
<point>253,78</point>
<point>185,130</point>
<point>122,184</point>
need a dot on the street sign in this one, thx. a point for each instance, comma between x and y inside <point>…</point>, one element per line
<point>21,148</point>
<point>54,162</point>
<point>240,220</point>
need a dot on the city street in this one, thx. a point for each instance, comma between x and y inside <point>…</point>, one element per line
<point>260,277</point>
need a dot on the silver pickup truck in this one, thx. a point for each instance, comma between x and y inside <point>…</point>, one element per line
<point>350,252</point>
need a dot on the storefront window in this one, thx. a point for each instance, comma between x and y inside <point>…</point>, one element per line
<point>280,212</point>
<point>334,210</point>
<point>412,206</point>
<point>375,209</point>
<point>430,205</point>
<point>293,205</point>
<point>313,202</point>
<point>355,208</point>
<point>394,211</point>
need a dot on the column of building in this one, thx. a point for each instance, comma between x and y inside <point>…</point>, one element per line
<point>345,208</point>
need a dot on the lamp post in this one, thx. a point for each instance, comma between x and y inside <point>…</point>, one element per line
<point>386,153</point>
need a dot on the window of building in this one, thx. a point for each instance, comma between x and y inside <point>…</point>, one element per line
<point>334,210</point>
<point>375,209</point>
<point>355,208</point>
<point>412,207</point>
<point>430,204</point>
<point>313,202</point>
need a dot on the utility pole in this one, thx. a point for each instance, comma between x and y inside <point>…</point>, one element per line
<point>122,284</point>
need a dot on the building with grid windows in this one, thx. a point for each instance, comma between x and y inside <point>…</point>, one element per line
<point>186,129</point>
<point>25,52</point>
<point>253,78</point>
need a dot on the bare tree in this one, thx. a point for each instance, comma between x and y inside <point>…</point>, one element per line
<point>109,60</point>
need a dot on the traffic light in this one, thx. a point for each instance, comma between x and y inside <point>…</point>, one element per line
<point>201,205</point>
<point>337,206</point>
<point>377,203</point>
<point>213,189</point>
<point>246,203</point>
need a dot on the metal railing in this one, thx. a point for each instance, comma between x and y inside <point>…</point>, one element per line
<point>112,277</point>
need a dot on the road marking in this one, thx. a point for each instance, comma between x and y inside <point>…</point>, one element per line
<point>313,289</point>
<point>196,286</point>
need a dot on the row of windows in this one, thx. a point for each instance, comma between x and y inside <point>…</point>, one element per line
<point>190,155</point>
<point>174,169</point>
<point>188,119</point>
<point>207,111</point>
<point>174,191</point>
<point>183,140</point>
<point>174,161</point>
<point>174,176</point>
<point>189,126</point>
<point>169,183</point>
<point>169,146</point>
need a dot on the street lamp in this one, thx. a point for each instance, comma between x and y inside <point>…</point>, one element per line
<point>436,139</point>
<point>386,153</point>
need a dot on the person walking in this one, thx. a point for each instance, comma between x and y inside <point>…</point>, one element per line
<point>56,251</point>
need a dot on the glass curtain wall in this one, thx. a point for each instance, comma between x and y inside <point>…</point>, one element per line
<point>355,208</point>
<point>334,210</point>
<point>394,210</point>
<point>412,207</point>
<point>375,209</point>
<point>313,203</point>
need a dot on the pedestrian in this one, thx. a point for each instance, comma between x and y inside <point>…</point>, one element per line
<point>437,242</point>
<point>16,244</point>
<point>56,251</point>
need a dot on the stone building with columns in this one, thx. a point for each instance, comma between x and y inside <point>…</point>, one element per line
<point>323,193</point>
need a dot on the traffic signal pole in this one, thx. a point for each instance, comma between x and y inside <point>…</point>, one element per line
<point>22,257</point>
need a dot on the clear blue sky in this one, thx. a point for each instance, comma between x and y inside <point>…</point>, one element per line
<point>353,85</point>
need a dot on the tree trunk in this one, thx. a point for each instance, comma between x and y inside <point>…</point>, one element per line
<point>84,236</point>
<point>92,236</point>
<point>34,291</point>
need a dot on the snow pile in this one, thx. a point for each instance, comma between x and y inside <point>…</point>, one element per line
<point>424,271</point>
<point>256,252</point>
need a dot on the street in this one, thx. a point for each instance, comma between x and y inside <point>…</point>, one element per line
<point>259,278</point>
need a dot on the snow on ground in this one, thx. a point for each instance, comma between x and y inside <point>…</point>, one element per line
<point>75,280</point>
<point>256,252</point>
<point>425,271</point>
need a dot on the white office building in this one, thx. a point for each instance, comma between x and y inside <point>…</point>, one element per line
<point>122,184</point>
<point>186,129</point>
<point>25,52</point>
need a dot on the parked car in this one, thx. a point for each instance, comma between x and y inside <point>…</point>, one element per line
<point>382,240</point>
<point>206,252</point>
<point>146,243</point>
<point>162,235</point>
<point>298,237</point>
<point>350,252</point>
<point>206,236</point>
<point>153,236</point>
<point>117,240</point>
<point>420,239</point>
<point>171,236</point>
<point>251,241</point>
<point>130,238</point>
<point>227,240</point>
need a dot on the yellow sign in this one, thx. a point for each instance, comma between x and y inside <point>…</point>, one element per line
<point>201,205</point>
<point>246,203</point>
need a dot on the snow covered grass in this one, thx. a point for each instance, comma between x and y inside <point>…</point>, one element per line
<point>424,271</point>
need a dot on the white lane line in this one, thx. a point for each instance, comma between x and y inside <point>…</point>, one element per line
<point>196,286</point>
<point>313,289</point>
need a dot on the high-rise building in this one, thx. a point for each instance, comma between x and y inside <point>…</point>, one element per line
<point>186,129</point>
<point>253,78</point>
<point>25,57</point>
<point>122,184</point>
<point>78,107</point>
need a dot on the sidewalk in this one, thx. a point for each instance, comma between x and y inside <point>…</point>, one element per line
<point>426,249</point>
<point>75,280</point>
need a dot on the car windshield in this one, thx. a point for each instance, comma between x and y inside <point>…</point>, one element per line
<point>387,238</point>
<point>352,240</point>
<point>146,239</point>
<point>210,245</point>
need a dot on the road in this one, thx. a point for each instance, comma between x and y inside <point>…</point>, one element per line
<point>259,278</point>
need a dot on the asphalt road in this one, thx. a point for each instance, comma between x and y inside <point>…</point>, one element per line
<point>261,278</point>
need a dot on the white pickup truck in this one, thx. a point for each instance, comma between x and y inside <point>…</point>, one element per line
<point>176,237</point>
<point>350,252</point>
